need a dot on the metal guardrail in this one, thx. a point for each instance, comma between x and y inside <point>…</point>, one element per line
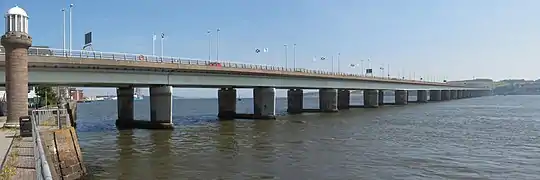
<point>37,51</point>
<point>39,116</point>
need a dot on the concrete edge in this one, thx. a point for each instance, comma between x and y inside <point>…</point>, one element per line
<point>8,151</point>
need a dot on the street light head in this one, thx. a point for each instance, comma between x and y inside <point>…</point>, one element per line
<point>71,5</point>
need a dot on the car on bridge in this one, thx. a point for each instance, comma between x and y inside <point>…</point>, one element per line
<point>216,64</point>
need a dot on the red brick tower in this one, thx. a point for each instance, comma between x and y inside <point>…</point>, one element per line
<point>16,41</point>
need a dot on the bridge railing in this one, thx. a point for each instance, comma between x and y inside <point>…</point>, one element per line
<point>42,118</point>
<point>36,51</point>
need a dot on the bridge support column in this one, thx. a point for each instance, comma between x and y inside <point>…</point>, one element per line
<point>381,97</point>
<point>264,103</point>
<point>328,100</point>
<point>161,107</point>
<point>459,94</point>
<point>124,105</point>
<point>445,95</point>
<point>453,94</point>
<point>295,101</point>
<point>344,99</point>
<point>16,76</point>
<point>435,95</point>
<point>401,97</point>
<point>371,98</point>
<point>227,103</point>
<point>488,92</point>
<point>422,96</point>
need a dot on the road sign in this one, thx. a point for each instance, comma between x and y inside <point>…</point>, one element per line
<point>88,39</point>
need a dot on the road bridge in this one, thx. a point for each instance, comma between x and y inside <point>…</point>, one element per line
<point>126,71</point>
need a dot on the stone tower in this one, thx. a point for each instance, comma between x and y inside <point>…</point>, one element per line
<point>16,42</point>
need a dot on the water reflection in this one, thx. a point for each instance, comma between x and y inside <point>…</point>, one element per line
<point>226,139</point>
<point>161,156</point>
<point>125,142</point>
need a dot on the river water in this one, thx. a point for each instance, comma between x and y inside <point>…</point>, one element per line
<point>481,138</point>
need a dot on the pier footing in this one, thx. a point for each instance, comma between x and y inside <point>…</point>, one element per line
<point>142,124</point>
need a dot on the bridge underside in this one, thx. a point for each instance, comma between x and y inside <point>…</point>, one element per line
<point>118,78</point>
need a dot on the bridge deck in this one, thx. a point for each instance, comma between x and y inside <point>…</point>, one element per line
<point>103,64</point>
<point>112,69</point>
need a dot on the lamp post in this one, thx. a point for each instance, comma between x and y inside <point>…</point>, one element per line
<point>294,56</point>
<point>286,60</point>
<point>154,44</point>
<point>209,45</point>
<point>162,38</point>
<point>64,32</point>
<point>70,28</point>
<point>217,44</point>
<point>338,68</point>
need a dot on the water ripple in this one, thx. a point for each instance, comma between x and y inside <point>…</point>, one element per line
<point>481,138</point>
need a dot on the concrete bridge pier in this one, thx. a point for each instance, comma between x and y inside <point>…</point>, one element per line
<point>295,101</point>
<point>381,97</point>
<point>344,99</point>
<point>481,93</point>
<point>435,95</point>
<point>487,93</point>
<point>467,93</point>
<point>328,100</point>
<point>401,97</point>
<point>445,95</point>
<point>226,103</point>
<point>422,96</point>
<point>371,98</point>
<point>124,106</point>
<point>264,103</point>
<point>453,94</point>
<point>474,93</point>
<point>161,107</point>
<point>459,94</point>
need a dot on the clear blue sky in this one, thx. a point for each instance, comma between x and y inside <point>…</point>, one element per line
<point>456,39</point>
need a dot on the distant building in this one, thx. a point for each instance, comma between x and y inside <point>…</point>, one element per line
<point>76,94</point>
